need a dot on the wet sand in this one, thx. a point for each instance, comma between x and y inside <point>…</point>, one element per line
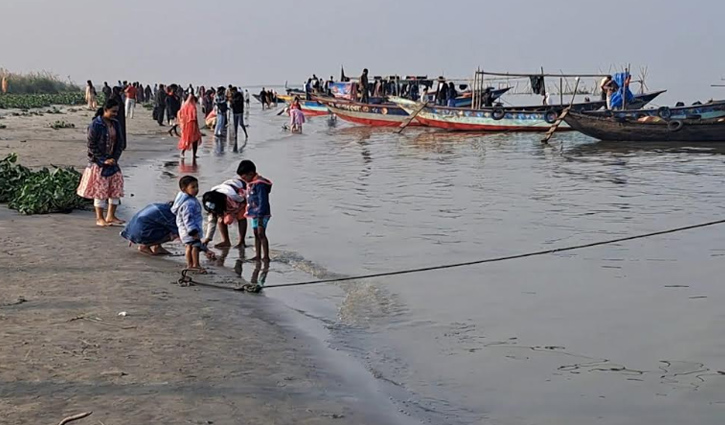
<point>179,355</point>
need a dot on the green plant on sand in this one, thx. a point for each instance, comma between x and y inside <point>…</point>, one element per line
<point>39,192</point>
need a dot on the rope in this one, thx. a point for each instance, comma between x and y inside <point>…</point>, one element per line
<point>497,259</point>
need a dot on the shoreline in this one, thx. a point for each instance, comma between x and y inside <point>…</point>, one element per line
<point>177,355</point>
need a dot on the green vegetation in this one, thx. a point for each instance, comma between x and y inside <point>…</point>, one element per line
<point>39,192</point>
<point>28,101</point>
<point>37,83</point>
<point>61,124</point>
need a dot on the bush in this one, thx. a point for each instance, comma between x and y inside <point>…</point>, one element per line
<point>37,83</point>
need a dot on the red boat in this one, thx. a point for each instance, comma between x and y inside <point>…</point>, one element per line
<point>376,115</point>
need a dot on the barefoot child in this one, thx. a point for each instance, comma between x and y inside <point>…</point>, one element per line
<point>258,208</point>
<point>189,221</point>
<point>226,204</point>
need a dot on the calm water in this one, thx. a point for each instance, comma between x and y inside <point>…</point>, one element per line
<point>620,334</point>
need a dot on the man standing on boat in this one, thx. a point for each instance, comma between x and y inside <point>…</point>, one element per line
<point>608,89</point>
<point>363,83</point>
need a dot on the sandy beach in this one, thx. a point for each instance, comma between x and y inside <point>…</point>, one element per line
<point>174,355</point>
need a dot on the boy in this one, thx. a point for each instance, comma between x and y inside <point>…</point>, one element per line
<point>258,209</point>
<point>189,221</point>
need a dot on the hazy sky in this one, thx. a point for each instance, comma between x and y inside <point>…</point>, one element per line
<point>251,42</point>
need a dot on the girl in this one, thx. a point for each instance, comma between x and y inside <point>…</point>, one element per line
<point>190,133</point>
<point>102,180</point>
<point>297,118</point>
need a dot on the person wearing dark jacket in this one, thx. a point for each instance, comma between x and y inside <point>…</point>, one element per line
<point>173,105</point>
<point>106,91</point>
<point>160,104</point>
<point>121,118</point>
<point>102,179</point>
<point>238,112</point>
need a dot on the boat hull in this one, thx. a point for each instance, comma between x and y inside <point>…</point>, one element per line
<point>382,115</point>
<point>618,130</point>
<point>464,119</point>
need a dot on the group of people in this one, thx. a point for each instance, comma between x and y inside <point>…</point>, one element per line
<point>315,85</point>
<point>267,98</point>
<point>241,199</point>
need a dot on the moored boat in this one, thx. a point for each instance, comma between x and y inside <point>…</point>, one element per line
<point>525,118</point>
<point>377,115</point>
<point>648,129</point>
<point>715,109</point>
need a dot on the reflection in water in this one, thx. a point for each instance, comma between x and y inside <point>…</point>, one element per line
<point>188,168</point>
<point>626,148</point>
<point>257,278</point>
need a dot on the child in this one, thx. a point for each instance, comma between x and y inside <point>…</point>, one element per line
<point>226,204</point>
<point>189,221</point>
<point>258,209</point>
<point>297,118</point>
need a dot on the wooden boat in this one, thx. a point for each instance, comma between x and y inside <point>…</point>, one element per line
<point>702,111</point>
<point>525,118</point>
<point>279,98</point>
<point>313,108</point>
<point>656,130</point>
<point>377,115</point>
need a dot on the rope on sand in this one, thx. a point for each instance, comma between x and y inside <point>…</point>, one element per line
<point>248,288</point>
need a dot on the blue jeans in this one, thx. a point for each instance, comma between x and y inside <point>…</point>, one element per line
<point>221,124</point>
<point>239,122</point>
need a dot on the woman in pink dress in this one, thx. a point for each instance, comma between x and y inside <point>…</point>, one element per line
<point>102,179</point>
<point>297,117</point>
<point>190,133</point>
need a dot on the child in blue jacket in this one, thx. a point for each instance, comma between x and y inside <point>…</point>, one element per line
<point>258,209</point>
<point>190,221</point>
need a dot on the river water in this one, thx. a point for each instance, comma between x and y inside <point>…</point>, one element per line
<point>618,334</point>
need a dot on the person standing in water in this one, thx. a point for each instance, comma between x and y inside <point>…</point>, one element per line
<point>102,179</point>
<point>237,103</point>
<point>258,211</point>
<point>190,134</point>
<point>221,108</point>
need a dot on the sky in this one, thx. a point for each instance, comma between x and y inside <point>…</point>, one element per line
<point>268,42</point>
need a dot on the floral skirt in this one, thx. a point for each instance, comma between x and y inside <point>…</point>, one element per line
<point>94,186</point>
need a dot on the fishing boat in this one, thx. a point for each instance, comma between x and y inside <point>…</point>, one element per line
<point>279,98</point>
<point>377,115</point>
<point>524,118</point>
<point>715,109</point>
<point>313,108</point>
<point>647,129</point>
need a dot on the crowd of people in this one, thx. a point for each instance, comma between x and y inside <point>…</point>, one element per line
<point>243,199</point>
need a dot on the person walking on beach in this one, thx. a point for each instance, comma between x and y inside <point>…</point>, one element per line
<point>106,90</point>
<point>131,93</point>
<point>263,98</point>
<point>102,179</point>
<point>237,103</point>
<point>189,123</point>
<point>226,204</point>
<point>148,93</point>
<point>160,104</point>
<point>121,117</point>
<point>91,96</point>
<point>259,211</point>
<point>173,105</point>
<point>189,221</point>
